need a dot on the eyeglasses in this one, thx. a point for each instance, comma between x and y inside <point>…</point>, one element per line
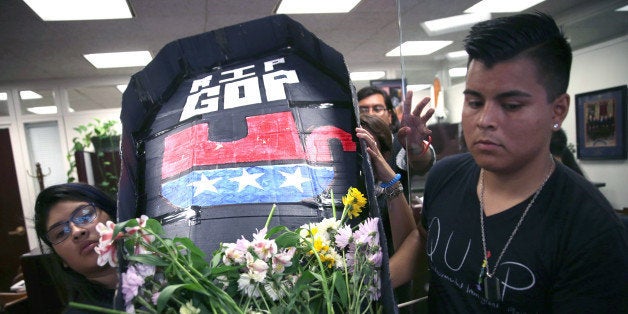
<point>376,109</point>
<point>81,216</point>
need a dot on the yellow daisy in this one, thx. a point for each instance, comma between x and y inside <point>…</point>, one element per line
<point>354,201</point>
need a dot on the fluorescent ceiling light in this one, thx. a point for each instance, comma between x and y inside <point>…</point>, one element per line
<point>121,88</point>
<point>119,59</point>
<point>43,110</point>
<point>367,75</point>
<point>624,8</point>
<point>457,72</point>
<point>3,96</point>
<point>460,54</point>
<point>418,87</point>
<point>75,10</point>
<point>313,7</point>
<point>502,6</point>
<point>454,23</point>
<point>419,48</point>
<point>29,94</point>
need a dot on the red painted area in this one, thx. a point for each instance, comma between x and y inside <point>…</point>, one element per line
<point>270,137</point>
<point>317,143</point>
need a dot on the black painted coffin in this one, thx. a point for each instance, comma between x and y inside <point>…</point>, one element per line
<point>222,125</point>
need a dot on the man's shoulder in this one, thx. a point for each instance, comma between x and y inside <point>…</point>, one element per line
<point>579,205</point>
<point>454,169</point>
<point>453,163</point>
<point>576,188</point>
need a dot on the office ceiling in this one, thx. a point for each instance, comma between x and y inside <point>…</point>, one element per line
<point>33,50</point>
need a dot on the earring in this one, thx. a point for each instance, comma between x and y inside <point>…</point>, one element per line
<point>556,125</point>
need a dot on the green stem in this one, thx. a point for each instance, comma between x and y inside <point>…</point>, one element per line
<point>209,288</point>
<point>328,298</point>
<point>333,203</point>
<point>272,211</point>
<point>345,211</point>
<point>94,308</point>
<point>147,305</point>
<point>346,273</point>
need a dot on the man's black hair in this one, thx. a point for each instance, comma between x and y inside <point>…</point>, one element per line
<point>535,36</point>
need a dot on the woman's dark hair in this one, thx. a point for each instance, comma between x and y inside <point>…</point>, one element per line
<point>371,90</point>
<point>70,284</point>
<point>378,128</point>
<point>533,36</point>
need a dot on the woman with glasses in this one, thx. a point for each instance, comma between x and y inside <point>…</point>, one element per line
<point>66,216</point>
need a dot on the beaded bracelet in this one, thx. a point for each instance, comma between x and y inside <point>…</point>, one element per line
<point>393,191</point>
<point>391,182</point>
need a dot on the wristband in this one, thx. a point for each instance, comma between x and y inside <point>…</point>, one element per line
<point>391,182</point>
<point>426,146</point>
<point>393,191</point>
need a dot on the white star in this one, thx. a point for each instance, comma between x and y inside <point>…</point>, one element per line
<point>294,179</point>
<point>204,185</point>
<point>247,179</point>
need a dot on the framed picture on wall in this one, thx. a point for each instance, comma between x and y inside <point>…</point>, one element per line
<point>601,124</point>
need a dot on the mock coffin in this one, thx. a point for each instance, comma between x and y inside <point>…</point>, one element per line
<point>222,125</point>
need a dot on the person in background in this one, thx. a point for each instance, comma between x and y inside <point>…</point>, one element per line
<point>561,152</point>
<point>66,216</point>
<point>411,133</point>
<point>508,228</point>
<point>397,218</point>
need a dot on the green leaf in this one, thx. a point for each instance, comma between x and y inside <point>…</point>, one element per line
<point>341,287</point>
<point>165,295</point>
<point>217,271</point>
<point>148,259</point>
<point>190,246</point>
<point>305,279</point>
<point>274,230</point>
<point>288,239</point>
<point>121,225</point>
<point>154,226</point>
<point>216,258</point>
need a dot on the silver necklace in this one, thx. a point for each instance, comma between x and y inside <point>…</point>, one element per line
<point>485,270</point>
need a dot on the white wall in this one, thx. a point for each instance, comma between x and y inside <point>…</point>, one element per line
<point>593,68</point>
<point>599,67</point>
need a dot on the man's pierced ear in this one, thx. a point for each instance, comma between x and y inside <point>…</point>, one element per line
<point>560,107</point>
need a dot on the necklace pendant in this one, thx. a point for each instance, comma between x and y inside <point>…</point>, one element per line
<point>482,275</point>
<point>497,289</point>
<point>491,293</point>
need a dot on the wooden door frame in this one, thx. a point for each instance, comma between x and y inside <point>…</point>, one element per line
<point>20,165</point>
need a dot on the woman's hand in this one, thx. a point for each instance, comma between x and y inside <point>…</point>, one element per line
<point>382,171</point>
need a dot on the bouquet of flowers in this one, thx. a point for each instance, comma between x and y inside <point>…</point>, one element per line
<point>322,267</point>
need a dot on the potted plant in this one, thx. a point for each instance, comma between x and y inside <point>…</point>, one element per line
<point>104,138</point>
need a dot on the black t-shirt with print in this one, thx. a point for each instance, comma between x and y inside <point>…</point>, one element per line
<point>569,255</point>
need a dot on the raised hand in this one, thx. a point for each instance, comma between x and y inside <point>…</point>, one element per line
<point>414,125</point>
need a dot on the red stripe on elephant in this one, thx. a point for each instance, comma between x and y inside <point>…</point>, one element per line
<point>270,137</point>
